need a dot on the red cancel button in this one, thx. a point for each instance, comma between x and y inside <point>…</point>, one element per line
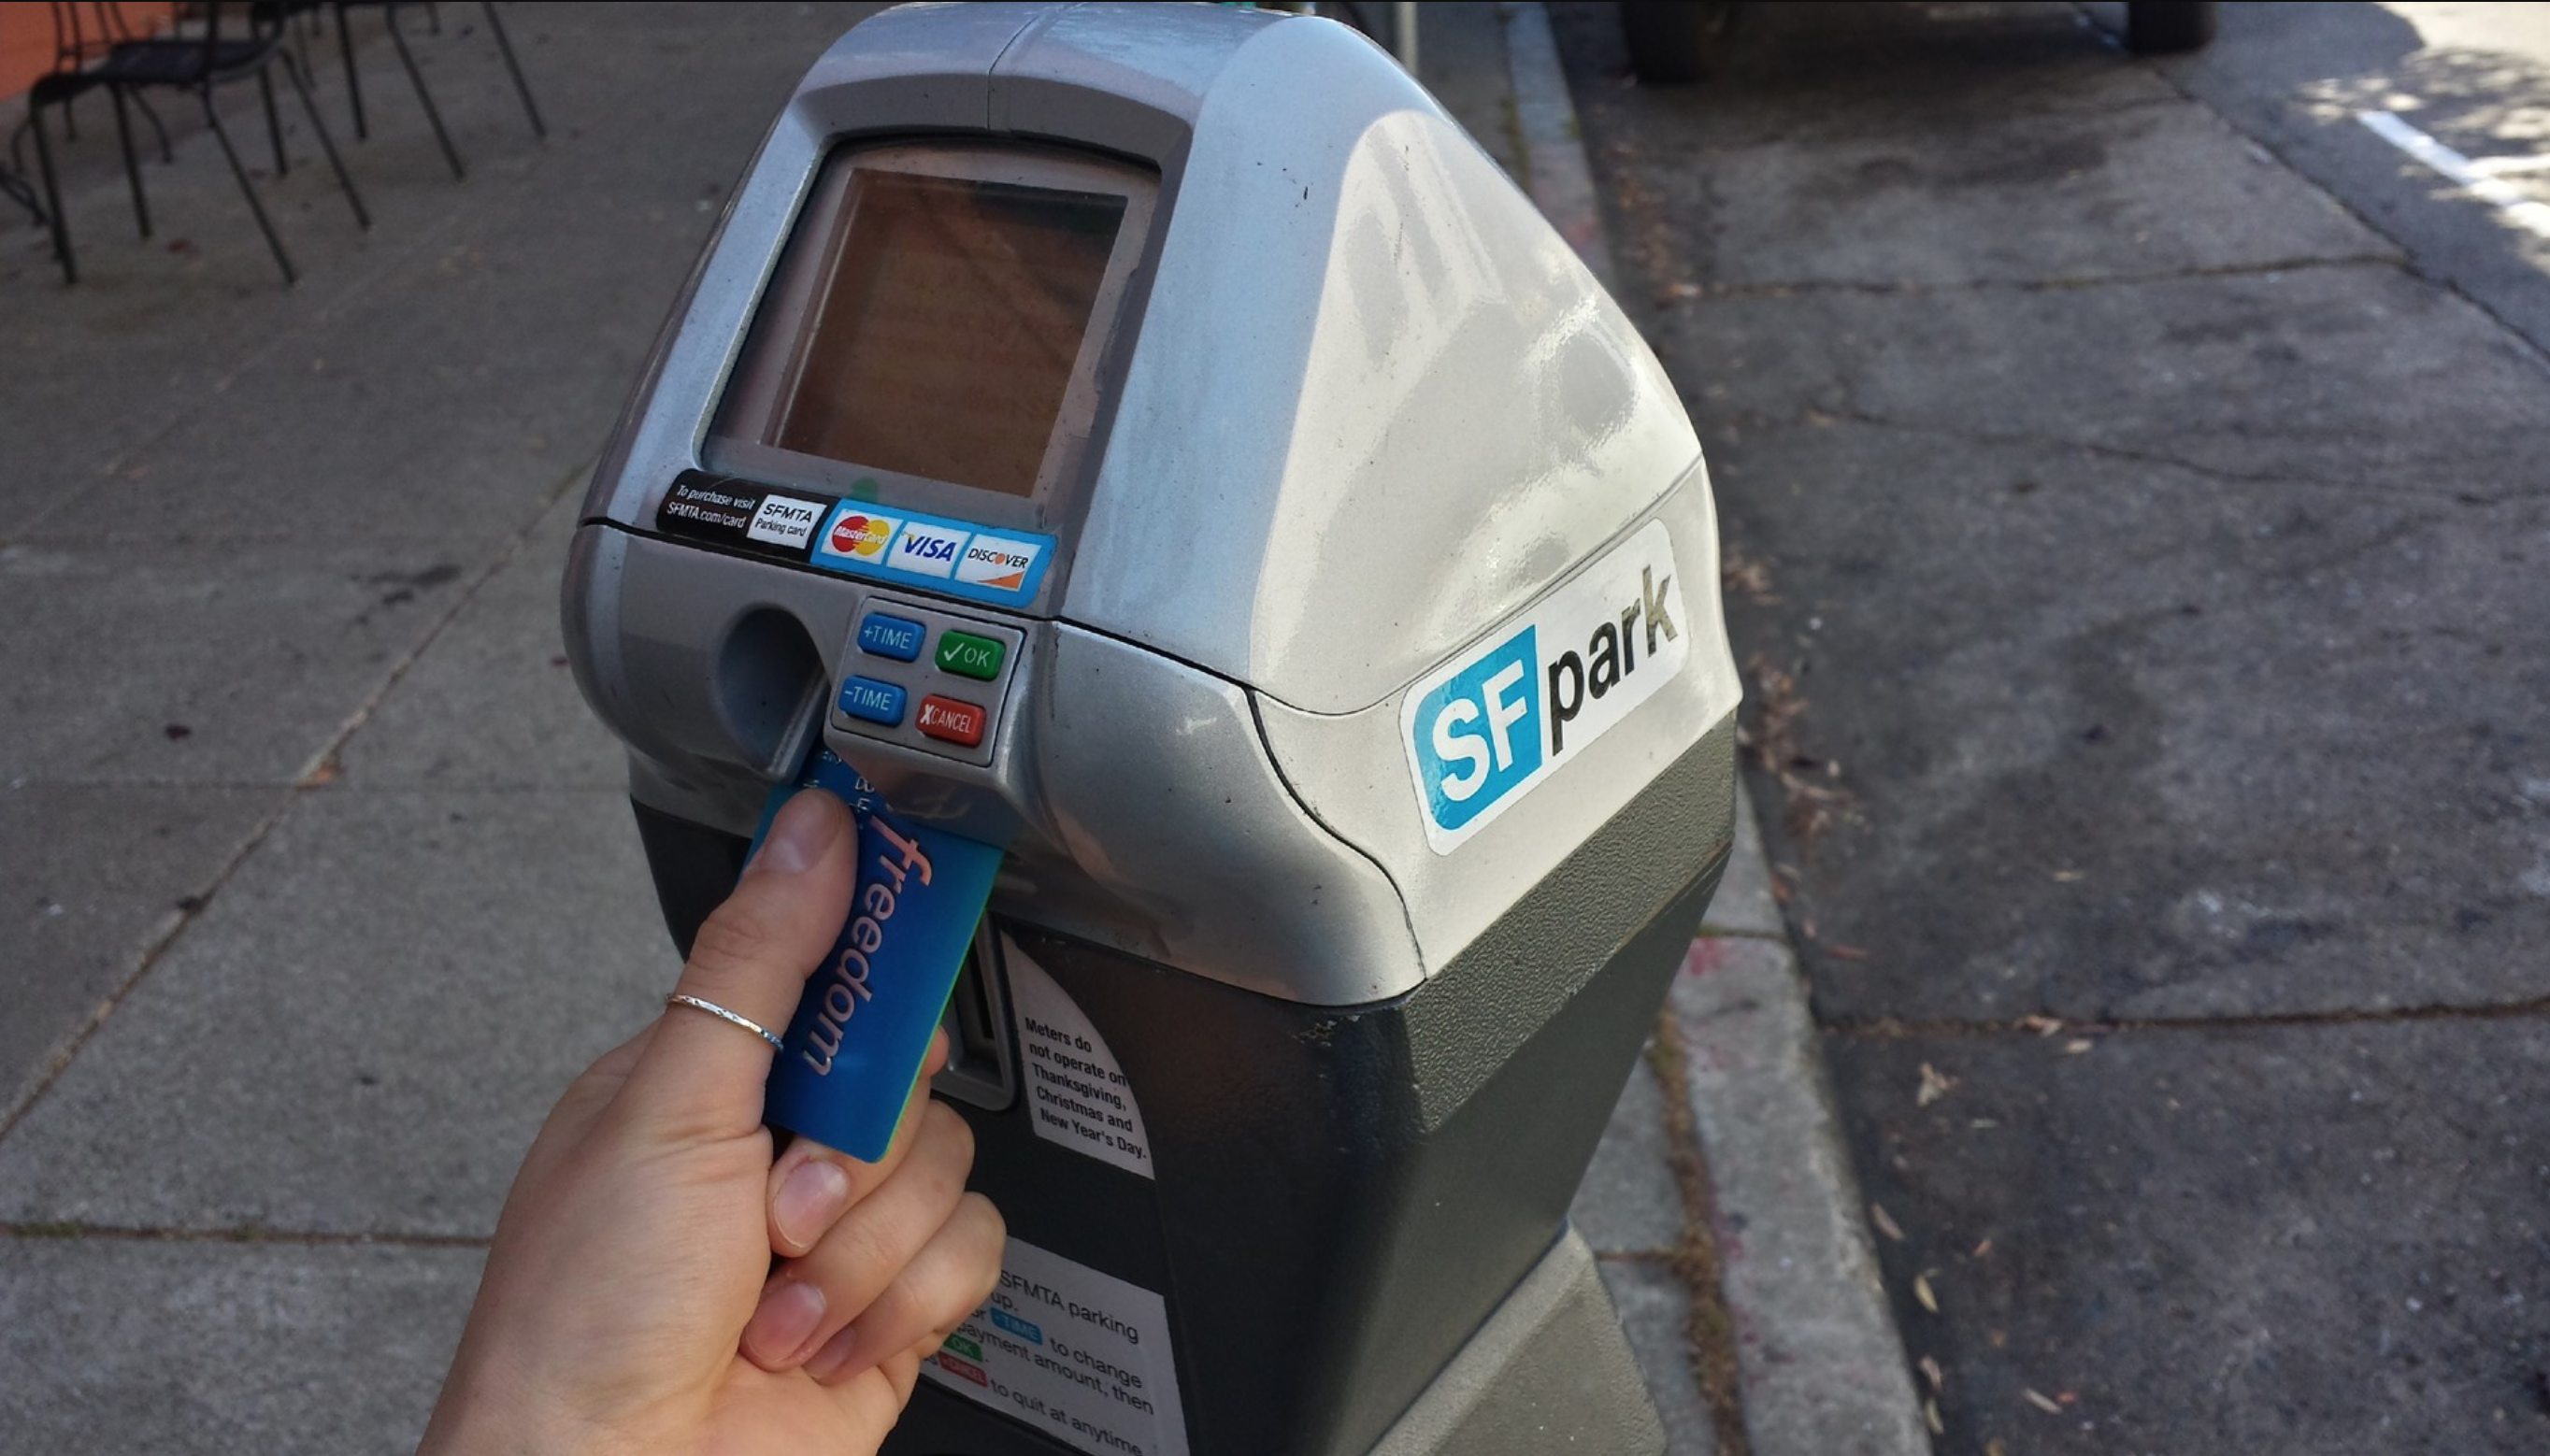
<point>948,719</point>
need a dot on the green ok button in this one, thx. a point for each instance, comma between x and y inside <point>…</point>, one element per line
<point>967,656</point>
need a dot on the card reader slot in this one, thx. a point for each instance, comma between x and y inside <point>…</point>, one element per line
<point>981,1066</point>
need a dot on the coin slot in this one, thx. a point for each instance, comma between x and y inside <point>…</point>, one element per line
<point>770,689</point>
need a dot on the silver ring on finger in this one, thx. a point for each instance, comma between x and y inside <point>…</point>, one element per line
<point>722,1013</point>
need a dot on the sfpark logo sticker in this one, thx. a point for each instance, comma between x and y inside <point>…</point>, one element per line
<point>1488,728</point>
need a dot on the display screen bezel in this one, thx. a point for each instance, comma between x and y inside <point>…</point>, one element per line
<point>759,371</point>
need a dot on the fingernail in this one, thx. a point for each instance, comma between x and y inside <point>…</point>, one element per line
<point>828,1361</point>
<point>789,1312</point>
<point>810,1196</point>
<point>804,829</point>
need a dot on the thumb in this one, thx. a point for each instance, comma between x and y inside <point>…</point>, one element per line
<point>702,1075</point>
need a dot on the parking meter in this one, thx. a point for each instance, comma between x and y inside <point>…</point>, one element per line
<point>1155,440</point>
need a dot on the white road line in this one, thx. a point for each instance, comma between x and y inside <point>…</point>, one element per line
<point>2507,166</point>
<point>2523,212</point>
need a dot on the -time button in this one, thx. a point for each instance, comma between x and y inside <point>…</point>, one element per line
<point>867,697</point>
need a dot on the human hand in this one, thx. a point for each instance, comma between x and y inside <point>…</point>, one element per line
<point>630,1303</point>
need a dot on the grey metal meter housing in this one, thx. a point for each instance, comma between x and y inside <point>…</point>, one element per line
<point>1334,645</point>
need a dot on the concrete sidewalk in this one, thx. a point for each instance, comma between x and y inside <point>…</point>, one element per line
<point>323,882</point>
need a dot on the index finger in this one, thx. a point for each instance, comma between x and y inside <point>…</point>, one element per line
<point>702,1075</point>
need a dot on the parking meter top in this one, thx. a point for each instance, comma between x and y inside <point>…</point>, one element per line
<point>1195,361</point>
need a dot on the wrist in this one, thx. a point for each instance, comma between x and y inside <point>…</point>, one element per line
<point>485,1412</point>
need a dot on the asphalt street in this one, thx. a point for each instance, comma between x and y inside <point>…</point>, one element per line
<point>2136,531</point>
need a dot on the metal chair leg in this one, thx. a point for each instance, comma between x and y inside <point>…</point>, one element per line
<point>54,202</point>
<point>238,170</point>
<point>132,164</point>
<point>354,78</point>
<point>521,87</point>
<point>327,143</point>
<point>17,190</point>
<point>273,123</point>
<point>416,78</point>
<point>168,154</point>
<point>300,23</point>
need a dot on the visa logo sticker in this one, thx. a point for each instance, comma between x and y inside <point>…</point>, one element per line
<point>927,550</point>
<point>1484,731</point>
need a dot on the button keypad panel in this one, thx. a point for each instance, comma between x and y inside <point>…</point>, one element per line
<point>925,678</point>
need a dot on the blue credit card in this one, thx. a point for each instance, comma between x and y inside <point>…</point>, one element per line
<point>864,1024</point>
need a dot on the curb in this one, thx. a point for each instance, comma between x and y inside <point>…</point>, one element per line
<point>1820,1364</point>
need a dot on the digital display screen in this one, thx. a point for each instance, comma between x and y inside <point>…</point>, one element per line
<point>938,332</point>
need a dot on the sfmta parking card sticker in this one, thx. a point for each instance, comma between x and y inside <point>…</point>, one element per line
<point>732,512</point>
<point>952,556</point>
<point>1079,1355</point>
<point>863,1023</point>
<point>1484,731</point>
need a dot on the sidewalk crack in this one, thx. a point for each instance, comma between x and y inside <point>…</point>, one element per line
<point>314,774</point>
<point>1710,1330</point>
<point>250,1233</point>
<point>1900,1028</point>
<point>1776,288</point>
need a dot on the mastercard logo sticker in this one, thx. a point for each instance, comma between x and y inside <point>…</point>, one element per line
<point>861,534</point>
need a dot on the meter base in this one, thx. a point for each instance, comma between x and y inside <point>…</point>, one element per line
<point>1549,1371</point>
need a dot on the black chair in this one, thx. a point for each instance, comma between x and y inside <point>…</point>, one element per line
<point>133,67</point>
<point>434,118</point>
<point>76,42</point>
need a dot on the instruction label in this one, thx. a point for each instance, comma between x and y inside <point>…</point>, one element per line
<point>1078,1354</point>
<point>1077,1095</point>
<point>1488,728</point>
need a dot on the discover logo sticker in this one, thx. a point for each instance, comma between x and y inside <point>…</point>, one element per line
<point>997,561</point>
